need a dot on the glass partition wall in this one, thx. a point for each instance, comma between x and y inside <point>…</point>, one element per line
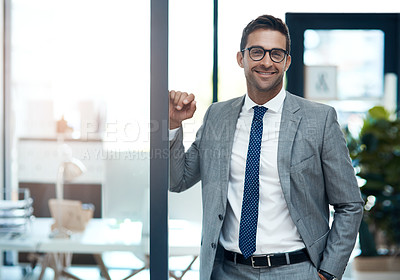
<point>78,90</point>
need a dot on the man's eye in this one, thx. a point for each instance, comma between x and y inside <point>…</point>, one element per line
<point>277,55</point>
<point>257,52</point>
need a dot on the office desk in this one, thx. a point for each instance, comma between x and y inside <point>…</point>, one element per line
<point>100,235</point>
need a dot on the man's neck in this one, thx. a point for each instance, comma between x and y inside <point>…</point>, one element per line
<point>261,98</point>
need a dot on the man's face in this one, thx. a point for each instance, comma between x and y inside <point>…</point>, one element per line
<point>264,77</point>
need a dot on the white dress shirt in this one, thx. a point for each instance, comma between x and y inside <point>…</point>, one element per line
<point>276,231</point>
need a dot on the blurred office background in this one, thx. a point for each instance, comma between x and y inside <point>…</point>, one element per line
<point>84,66</point>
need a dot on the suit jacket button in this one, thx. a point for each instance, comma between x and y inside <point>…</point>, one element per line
<point>213,245</point>
<point>220,217</point>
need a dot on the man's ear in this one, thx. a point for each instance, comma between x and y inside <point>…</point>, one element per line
<point>288,62</point>
<point>239,58</point>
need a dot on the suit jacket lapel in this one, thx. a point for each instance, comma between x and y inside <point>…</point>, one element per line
<point>288,129</point>
<point>231,114</point>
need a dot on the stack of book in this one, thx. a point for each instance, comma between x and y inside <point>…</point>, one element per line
<point>15,211</point>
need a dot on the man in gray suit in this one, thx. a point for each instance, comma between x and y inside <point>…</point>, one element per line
<point>301,166</point>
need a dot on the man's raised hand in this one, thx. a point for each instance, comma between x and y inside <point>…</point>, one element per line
<point>181,107</point>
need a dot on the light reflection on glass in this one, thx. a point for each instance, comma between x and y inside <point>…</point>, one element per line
<point>359,59</point>
<point>358,54</point>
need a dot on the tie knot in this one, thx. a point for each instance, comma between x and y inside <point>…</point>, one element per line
<point>259,112</point>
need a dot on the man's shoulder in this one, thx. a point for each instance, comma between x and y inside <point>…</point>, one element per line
<point>304,103</point>
<point>237,101</point>
<point>223,107</point>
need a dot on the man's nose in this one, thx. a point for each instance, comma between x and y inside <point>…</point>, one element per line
<point>266,60</point>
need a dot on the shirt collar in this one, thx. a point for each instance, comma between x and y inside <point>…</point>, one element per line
<point>274,105</point>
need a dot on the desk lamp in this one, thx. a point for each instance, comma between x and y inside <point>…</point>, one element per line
<point>68,170</point>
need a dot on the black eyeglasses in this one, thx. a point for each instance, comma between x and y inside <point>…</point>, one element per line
<point>258,53</point>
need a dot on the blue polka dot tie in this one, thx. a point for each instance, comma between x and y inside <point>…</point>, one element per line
<point>249,216</point>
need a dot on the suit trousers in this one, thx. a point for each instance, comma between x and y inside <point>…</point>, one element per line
<point>228,270</point>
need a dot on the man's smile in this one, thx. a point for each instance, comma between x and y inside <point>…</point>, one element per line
<point>265,72</point>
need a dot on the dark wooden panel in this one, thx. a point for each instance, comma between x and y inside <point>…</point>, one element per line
<point>42,192</point>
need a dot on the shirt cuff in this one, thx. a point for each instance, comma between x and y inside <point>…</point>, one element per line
<point>172,133</point>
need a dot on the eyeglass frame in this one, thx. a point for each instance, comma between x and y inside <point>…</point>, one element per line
<point>265,51</point>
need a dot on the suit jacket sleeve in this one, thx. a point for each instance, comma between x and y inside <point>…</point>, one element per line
<point>185,167</point>
<point>343,193</point>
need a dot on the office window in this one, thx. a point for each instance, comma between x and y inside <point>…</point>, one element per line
<point>358,66</point>
<point>79,87</point>
<point>70,66</point>
<point>190,69</point>
<point>348,76</point>
<point>190,55</point>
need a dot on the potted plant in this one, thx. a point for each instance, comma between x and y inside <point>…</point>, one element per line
<point>376,155</point>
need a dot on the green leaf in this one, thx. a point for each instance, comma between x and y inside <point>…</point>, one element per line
<point>378,112</point>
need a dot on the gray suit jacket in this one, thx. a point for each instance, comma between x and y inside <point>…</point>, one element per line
<point>314,170</point>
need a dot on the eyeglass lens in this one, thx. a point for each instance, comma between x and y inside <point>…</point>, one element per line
<point>276,55</point>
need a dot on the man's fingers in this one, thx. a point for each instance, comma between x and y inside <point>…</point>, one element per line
<point>188,99</point>
<point>172,94</point>
<point>193,107</point>
<point>179,99</point>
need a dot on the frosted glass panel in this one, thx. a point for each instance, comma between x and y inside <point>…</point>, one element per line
<point>358,56</point>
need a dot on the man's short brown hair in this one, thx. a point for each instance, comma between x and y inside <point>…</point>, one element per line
<point>266,22</point>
